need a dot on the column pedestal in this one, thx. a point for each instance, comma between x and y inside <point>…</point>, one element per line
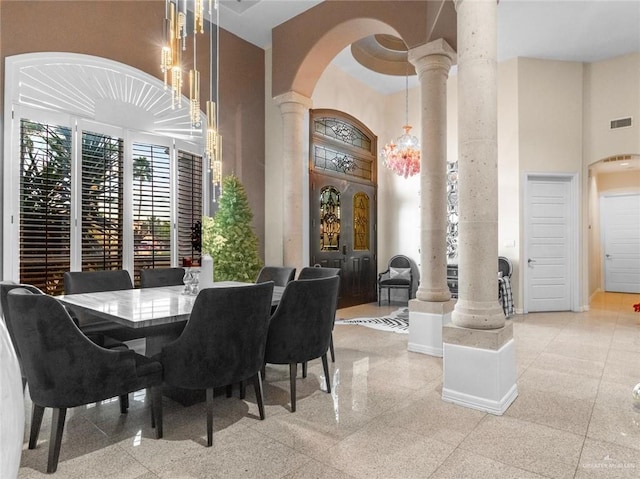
<point>479,368</point>
<point>426,320</point>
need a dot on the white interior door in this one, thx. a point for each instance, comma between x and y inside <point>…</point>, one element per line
<point>620,226</point>
<point>548,240</point>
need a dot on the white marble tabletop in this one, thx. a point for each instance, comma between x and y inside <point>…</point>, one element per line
<point>141,308</point>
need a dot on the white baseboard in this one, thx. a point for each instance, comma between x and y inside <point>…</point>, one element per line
<point>481,379</point>
<point>425,332</point>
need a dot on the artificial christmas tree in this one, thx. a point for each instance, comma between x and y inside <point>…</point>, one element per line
<point>229,238</point>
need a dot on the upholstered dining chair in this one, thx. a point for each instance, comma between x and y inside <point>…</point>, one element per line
<point>398,275</point>
<point>280,275</point>
<point>76,282</point>
<point>5,287</point>
<point>65,369</point>
<point>223,343</point>
<point>300,329</point>
<point>314,272</point>
<point>156,277</point>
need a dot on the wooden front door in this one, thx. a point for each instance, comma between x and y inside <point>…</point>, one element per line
<point>342,174</point>
<point>343,235</point>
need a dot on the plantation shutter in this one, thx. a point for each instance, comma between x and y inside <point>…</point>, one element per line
<point>151,207</point>
<point>102,202</point>
<point>45,199</point>
<point>189,203</point>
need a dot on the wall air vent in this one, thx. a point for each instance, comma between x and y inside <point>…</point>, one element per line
<point>621,123</point>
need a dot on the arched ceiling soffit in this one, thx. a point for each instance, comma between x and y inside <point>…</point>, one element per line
<point>304,45</point>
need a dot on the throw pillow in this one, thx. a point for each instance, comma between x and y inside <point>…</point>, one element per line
<point>400,273</point>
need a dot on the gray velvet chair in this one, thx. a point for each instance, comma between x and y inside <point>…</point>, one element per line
<point>156,277</point>
<point>300,329</point>
<point>76,282</point>
<point>309,272</point>
<point>397,276</point>
<point>280,275</point>
<point>99,339</point>
<point>223,343</point>
<point>65,369</point>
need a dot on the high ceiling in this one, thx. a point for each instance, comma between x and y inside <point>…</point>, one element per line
<point>575,30</point>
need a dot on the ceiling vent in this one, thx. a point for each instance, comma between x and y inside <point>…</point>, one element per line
<point>621,123</point>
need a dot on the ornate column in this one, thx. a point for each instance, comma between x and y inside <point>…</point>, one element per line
<point>432,307</point>
<point>479,353</point>
<point>294,107</point>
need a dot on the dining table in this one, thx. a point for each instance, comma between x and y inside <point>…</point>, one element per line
<point>160,313</point>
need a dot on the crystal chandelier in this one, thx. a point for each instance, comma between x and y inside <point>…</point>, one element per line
<point>402,155</point>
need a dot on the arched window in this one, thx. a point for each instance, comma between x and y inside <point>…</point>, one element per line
<point>106,174</point>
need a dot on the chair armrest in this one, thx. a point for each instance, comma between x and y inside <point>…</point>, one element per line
<point>381,274</point>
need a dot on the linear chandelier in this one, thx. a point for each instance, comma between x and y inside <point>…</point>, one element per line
<point>174,42</point>
<point>402,155</point>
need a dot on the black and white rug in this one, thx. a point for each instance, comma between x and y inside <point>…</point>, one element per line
<point>398,321</point>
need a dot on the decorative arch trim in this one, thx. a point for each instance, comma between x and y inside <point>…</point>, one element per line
<point>98,89</point>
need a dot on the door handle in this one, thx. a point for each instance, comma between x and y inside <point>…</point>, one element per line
<point>607,256</point>
<point>529,261</point>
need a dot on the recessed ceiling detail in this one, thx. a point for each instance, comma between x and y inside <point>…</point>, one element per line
<point>384,54</point>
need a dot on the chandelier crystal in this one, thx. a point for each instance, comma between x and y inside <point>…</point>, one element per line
<point>402,155</point>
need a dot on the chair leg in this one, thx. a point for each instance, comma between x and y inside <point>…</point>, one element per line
<point>243,389</point>
<point>156,410</point>
<point>325,366</point>
<point>257,385</point>
<point>379,293</point>
<point>304,370</point>
<point>229,390</point>
<point>388,295</point>
<point>293,372</point>
<point>333,353</point>
<point>263,371</point>
<point>57,428</point>
<point>124,403</point>
<point>36,421</point>
<point>209,417</point>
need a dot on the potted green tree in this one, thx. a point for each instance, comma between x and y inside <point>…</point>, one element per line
<point>229,238</point>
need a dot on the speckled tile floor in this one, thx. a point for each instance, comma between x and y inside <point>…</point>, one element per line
<point>574,416</point>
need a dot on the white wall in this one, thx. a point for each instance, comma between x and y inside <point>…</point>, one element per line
<point>612,91</point>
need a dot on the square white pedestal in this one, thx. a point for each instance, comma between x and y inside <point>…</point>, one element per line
<point>483,379</point>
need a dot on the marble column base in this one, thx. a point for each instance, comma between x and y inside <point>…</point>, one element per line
<point>479,369</point>
<point>426,320</point>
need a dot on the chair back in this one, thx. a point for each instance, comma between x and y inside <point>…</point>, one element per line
<point>399,261</point>
<point>93,281</point>
<point>280,275</point>
<point>300,329</point>
<point>5,287</point>
<point>224,339</point>
<point>504,267</point>
<point>156,277</point>
<point>63,367</point>
<point>317,272</point>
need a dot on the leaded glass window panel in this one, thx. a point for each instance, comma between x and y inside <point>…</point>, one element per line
<point>361,240</point>
<point>343,132</point>
<point>329,219</point>
<point>341,162</point>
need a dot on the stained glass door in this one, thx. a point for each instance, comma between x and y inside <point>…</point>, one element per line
<point>343,235</point>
